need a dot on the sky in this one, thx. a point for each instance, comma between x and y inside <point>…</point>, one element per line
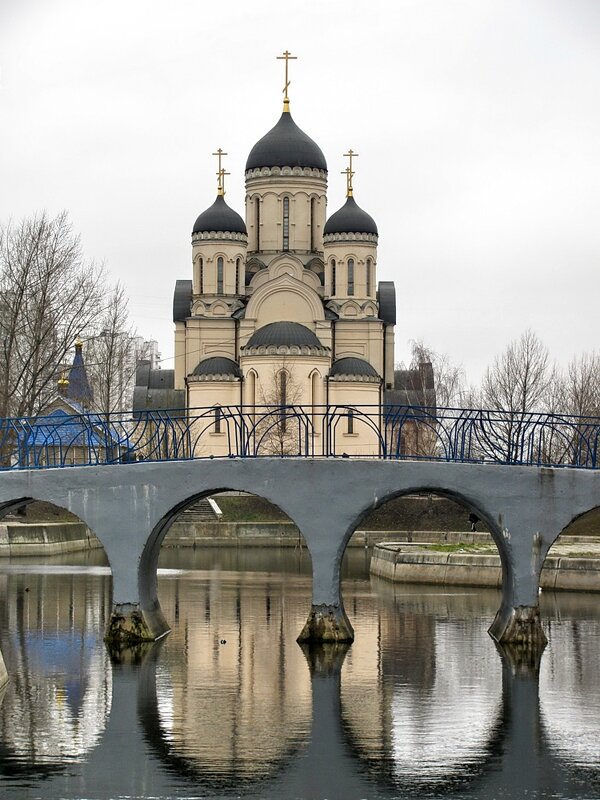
<point>477,124</point>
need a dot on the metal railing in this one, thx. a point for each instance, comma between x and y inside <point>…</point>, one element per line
<point>383,432</point>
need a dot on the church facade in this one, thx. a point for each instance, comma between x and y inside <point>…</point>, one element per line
<point>284,307</point>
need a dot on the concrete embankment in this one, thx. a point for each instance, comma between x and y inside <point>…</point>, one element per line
<point>406,563</point>
<point>44,538</point>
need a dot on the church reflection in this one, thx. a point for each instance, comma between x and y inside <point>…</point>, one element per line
<point>421,704</point>
<point>58,699</point>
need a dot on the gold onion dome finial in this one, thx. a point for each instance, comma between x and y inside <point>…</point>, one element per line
<point>221,173</point>
<point>348,171</point>
<point>63,380</point>
<point>287,57</point>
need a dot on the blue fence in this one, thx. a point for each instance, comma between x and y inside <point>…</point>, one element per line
<point>388,432</point>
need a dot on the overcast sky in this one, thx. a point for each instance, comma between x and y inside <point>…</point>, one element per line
<point>477,123</point>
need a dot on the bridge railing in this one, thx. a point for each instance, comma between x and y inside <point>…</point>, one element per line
<point>384,432</point>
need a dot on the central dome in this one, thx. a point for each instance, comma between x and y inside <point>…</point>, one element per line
<point>288,334</point>
<point>286,145</point>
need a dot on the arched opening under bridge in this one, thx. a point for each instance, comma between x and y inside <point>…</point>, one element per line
<point>233,577</point>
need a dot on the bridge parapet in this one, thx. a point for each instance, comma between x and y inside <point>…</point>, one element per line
<point>460,435</point>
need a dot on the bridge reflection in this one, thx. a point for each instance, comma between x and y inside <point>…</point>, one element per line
<point>421,704</point>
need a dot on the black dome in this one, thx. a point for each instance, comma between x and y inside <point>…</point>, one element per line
<point>219,217</point>
<point>286,145</point>
<point>283,333</point>
<point>353,366</point>
<point>350,218</point>
<point>218,365</point>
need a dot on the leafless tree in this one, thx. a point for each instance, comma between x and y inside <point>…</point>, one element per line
<point>519,378</point>
<point>111,356</point>
<point>281,423</point>
<point>48,294</point>
<point>449,379</point>
<point>517,384</point>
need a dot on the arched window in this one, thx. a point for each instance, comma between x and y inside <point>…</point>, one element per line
<point>251,392</point>
<point>201,275</point>
<point>218,417</point>
<point>257,221</point>
<point>286,223</point>
<point>220,275</point>
<point>313,223</point>
<point>350,277</point>
<point>238,267</point>
<point>315,398</point>
<point>369,276</point>
<point>283,381</point>
<point>333,276</point>
<point>350,428</point>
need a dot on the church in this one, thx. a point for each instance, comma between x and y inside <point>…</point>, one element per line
<point>283,307</point>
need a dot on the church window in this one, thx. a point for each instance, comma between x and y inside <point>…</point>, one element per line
<point>350,428</point>
<point>238,266</point>
<point>313,218</point>
<point>257,218</point>
<point>218,416</point>
<point>220,275</point>
<point>201,275</point>
<point>350,277</point>
<point>369,270</point>
<point>282,400</point>
<point>286,223</point>
<point>333,276</point>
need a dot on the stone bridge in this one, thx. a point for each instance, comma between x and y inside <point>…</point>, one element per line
<point>130,508</point>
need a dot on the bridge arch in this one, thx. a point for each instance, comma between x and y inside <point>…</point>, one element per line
<point>149,558</point>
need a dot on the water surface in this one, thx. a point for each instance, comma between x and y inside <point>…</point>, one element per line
<point>229,705</point>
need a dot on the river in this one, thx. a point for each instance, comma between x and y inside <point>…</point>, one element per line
<point>228,705</point>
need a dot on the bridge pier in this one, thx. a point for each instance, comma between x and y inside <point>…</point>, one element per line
<point>327,620</point>
<point>136,614</point>
<point>518,618</point>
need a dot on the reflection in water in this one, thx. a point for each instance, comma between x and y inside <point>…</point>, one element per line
<point>57,702</point>
<point>421,705</point>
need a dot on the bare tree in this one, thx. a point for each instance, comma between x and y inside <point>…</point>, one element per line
<point>517,384</point>
<point>111,356</point>
<point>449,379</point>
<point>280,429</point>
<point>519,378</point>
<point>48,294</point>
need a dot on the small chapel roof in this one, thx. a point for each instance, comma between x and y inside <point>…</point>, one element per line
<point>353,366</point>
<point>218,365</point>
<point>79,388</point>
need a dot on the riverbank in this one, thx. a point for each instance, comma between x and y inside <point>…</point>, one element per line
<point>574,564</point>
<point>44,538</point>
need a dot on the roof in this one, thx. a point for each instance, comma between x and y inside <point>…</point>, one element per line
<point>219,217</point>
<point>60,429</point>
<point>386,296</point>
<point>353,366</point>
<point>154,389</point>
<point>350,218</point>
<point>79,388</point>
<point>182,300</point>
<point>413,387</point>
<point>218,365</point>
<point>283,333</point>
<point>286,145</point>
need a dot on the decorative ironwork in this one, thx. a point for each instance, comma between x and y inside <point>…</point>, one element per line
<point>294,431</point>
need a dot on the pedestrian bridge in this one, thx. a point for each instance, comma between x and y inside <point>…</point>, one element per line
<point>130,508</point>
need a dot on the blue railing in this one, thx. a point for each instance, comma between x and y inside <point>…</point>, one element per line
<point>386,432</point>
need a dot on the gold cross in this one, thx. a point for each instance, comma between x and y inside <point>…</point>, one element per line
<point>287,57</point>
<point>348,171</point>
<point>221,172</point>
